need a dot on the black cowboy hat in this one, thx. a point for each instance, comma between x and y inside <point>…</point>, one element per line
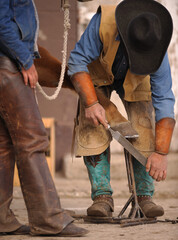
<point>145,27</point>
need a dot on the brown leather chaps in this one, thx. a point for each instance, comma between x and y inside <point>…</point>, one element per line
<point>23,140</point>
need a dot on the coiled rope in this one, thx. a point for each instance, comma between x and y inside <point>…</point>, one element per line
<point>65,7</point>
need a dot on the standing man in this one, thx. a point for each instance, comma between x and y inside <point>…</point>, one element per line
<point>23,137</point>
<point>124,49</point>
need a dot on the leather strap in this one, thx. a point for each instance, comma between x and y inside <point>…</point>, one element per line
<point>141,198</point>
<point>76,122</point>
<point>164,130</point>
<point>105,199</point>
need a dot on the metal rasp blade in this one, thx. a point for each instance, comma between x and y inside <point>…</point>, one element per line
<point>128,146</point>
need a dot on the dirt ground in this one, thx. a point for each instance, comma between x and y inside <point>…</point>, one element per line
<point>74,191</point>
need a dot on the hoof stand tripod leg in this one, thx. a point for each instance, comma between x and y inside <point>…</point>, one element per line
<point>136,215</point>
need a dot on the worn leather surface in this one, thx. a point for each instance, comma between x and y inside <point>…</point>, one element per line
<point>151,209</point>
<point>141,115</point>
<point>84,87</point>
<point>103,206</point>
<point>6,64</point>
<point>23,139</point>
<point>164,131</point>
<point>92,140</point>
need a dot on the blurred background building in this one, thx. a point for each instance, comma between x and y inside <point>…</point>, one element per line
<point>63,109</point>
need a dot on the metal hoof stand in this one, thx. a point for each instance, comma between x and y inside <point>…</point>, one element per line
<point>136,215</point>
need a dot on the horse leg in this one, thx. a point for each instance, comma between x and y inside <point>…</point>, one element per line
<point>49,70</point>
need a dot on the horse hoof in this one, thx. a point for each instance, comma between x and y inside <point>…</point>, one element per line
<point>125,129</point>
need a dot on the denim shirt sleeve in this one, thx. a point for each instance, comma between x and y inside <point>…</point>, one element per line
<point>161,86</point>
<point>10,42</point>
<point>87,49</point>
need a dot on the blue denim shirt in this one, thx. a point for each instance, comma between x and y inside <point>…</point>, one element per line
<point>88,49</point>
<point>18,31</point>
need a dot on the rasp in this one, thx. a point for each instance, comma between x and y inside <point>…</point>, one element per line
<point>128,146</point>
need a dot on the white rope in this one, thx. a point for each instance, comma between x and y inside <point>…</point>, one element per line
<point>64,53</point>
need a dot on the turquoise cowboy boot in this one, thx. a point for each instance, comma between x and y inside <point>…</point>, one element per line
<point>98,167</point>
<point>145,190</point>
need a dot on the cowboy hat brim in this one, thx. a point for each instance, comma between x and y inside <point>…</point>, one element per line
<point>144,62</point>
